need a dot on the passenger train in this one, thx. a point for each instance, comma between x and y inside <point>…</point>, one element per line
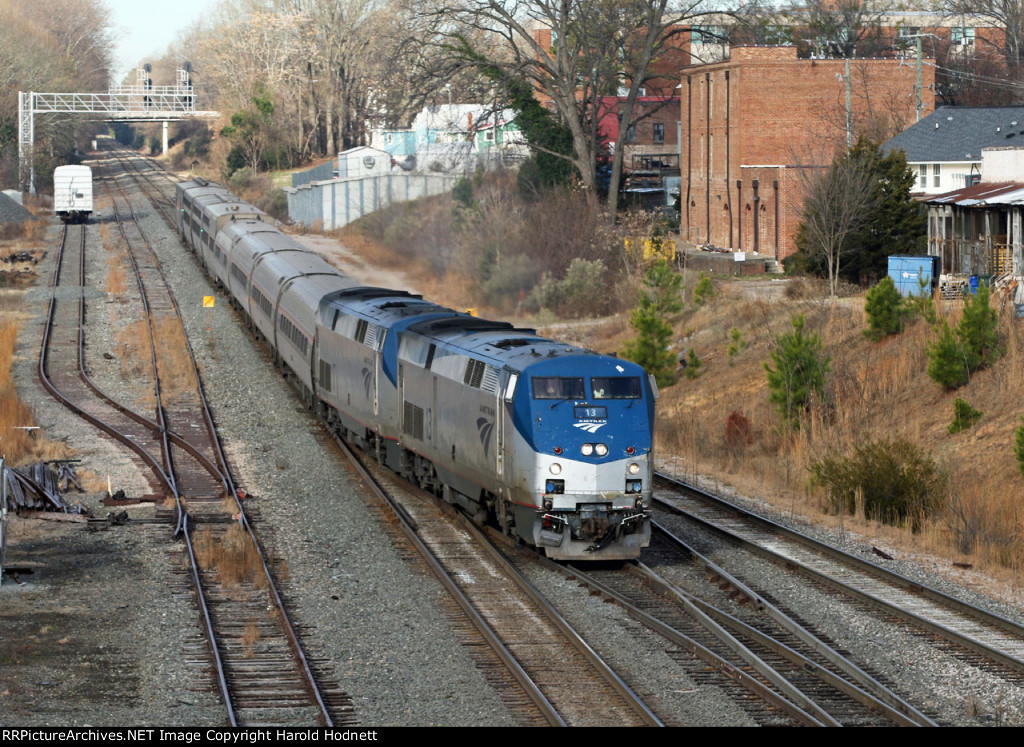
<point>550,441</point>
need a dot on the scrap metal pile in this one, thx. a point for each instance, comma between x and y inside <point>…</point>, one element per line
<point>41,487</point>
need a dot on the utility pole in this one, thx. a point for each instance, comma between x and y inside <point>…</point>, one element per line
<point>918,88</point>
<point>849,113</point>
<point>920,106</point>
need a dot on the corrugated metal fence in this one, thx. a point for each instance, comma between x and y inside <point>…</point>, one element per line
<point>333,204</point>
<point>317,174</point>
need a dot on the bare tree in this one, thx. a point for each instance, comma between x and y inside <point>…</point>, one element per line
<point>842,28</point>
<point>51,45</point>
<point>575,53</point>
<point>836,204</point>
<point>1005,16</point>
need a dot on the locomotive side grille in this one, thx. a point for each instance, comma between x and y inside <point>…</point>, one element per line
<point>474,373</point>
<point>490,379</point>
<point>412,424</point>
<point>372,331</point>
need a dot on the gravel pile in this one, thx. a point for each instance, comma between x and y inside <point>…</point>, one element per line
<point>12,212</point>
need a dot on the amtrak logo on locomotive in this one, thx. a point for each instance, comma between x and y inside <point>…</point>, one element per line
<point>367,381</point>
<point>486,428</point>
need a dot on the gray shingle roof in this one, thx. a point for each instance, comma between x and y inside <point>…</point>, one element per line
<point>958,133</point>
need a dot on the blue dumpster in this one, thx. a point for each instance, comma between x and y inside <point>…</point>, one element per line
<point>909,272</point>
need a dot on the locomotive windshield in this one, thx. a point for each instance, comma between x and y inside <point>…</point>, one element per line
<point>617,387</point>
<point>558,387</point>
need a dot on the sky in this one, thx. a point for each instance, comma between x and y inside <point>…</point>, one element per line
<point>142,30</point>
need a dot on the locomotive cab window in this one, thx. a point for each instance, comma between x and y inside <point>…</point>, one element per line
<point>617,387</point>
<point>558,387</point>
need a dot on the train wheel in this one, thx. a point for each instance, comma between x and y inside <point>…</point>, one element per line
<point>506,517</point>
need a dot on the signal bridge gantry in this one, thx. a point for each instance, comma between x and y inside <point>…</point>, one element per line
<point>142,102</point>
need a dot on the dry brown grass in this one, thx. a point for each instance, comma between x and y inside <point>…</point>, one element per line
<point>18,443</point>
<point>134,353</point>
<point>250,637</point>
<point>177,374</point>
<point>115,277</point>
<point>231,554</point>
<point>877,390</point>
<point>92,482</point>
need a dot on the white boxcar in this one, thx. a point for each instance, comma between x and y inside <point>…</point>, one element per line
<point>72,193</point>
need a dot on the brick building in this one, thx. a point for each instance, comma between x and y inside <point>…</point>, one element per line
<point>654,136</point>
<point>756,126</point>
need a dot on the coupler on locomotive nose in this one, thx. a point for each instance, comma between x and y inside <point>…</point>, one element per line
<point>593,531</point>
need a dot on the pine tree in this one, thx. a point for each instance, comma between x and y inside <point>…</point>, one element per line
<point>885,310</point>
<point>738,343</point>
<point>658,299</point>
<point>894,222</point>
<point>979,331</point>
<point>946,362</point>
<point>964,416</point>
<point>693,364</point>
<point>956,354</point>
<point>799,372</point>
<point>899,223</point>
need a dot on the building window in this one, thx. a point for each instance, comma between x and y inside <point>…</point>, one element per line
<point>922,176</point>
<point>659,132</point>
<point>707,35</point>
<point>631,134</point>
<point>962,35</point>
<point>936,173</point>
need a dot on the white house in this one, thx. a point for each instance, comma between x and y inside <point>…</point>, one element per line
<point>944,148</point>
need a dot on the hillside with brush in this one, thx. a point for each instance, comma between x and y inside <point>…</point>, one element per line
<point>878,424</point>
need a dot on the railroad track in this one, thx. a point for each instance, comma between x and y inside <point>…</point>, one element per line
<point>559,678</point>
<point>975,635</point>
<point>262,673</point>
<point>542,671</point>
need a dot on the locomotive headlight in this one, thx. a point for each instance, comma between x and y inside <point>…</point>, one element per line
<point>555,468</point>
<point>587,449</point>
<point>601,449</point>
<point>634,468</point>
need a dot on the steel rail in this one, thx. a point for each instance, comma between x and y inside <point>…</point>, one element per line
<point>886,576</point>
<point>48,384</point>
<point>853,690</point>
<point>118,436</point>
<point>211,634</point>
<point>864,682</point>
<point>595,659</point>
<point>788,698</point>
<point>224,474</point>
<point>530,688</point>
